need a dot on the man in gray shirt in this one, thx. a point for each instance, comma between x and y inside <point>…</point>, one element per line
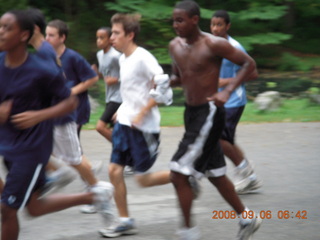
<point>108,59</point>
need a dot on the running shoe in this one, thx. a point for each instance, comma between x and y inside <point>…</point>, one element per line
<point>127,227</point>
<point>248,184</point>
<point>59,179</point>
<point>128,170</point>
<point>88,209</point>
<point>103,201</point>
<point>246,231</point>
<point>96,168</point>
<point>189,233</point>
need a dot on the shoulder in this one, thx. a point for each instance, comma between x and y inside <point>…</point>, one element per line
<point>41,67</point>
<point>70,53</point>
<point>213,41</point>
<point>145,56</point>
<point>114,53</point>
<point>174,42</point>
<point>100,53</point>
<point>235,43</point>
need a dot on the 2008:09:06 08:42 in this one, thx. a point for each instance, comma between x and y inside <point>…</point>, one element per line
<point>263,214</point>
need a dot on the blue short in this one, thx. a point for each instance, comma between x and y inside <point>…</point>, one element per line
<point>26,174</point>
<point>134,148</point>
<point>233,116</point>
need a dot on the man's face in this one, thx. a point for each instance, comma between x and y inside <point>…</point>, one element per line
<point>10,33</point>
<point>219,27</point>
<point>118,37</point>
<point>52,36</point>
<point>103,40</point>
<point>182,23</point>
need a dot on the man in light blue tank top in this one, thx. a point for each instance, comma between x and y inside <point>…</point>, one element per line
<point>246,180</point>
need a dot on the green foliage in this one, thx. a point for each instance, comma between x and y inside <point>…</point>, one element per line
<point>262,39</point>
<point>268,12</point>
<point>289,62</point>
<point>264,27</point>
<point>156,30</point>
<point>12,4</point>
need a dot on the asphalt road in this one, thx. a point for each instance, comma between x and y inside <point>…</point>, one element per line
<point>286,156</point>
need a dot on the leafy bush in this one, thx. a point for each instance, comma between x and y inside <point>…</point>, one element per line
<point>289,62</point>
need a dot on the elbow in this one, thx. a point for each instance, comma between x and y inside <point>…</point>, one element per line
<point>96,79</point>
<point>254,74</point>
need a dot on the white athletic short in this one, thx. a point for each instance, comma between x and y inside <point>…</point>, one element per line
<point>66,144</point>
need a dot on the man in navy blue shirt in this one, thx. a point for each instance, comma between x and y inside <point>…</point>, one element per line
<point>80,76</point>
<point>28,85</point>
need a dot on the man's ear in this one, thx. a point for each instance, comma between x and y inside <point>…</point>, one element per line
<point>63,38</point>
<point>24,35</point>
<point>36,29</point>
<point>131,35</point>
<point>195,19</point>
<point>228,26</point>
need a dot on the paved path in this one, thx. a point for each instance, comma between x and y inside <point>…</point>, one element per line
<point>286,157</point>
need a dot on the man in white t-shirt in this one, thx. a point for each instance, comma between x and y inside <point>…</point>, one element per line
<point>136,133</point>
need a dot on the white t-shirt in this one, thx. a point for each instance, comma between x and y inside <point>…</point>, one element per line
<point>136,73</point>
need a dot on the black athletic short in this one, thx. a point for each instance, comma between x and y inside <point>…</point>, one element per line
<point>110,109</point>
<point>199,152</point>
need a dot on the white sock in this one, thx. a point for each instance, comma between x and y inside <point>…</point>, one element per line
<point>243,164</point>
<point>244,220</point>
<point>124,219</point>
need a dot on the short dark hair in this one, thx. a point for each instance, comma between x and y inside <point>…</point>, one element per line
<point>191,7</point>
<point>61,26</point>
<point>222,14</point>
<point>107,30</point>
<point>38,18</point>
<point>24,21</point>
<point>130,23</point>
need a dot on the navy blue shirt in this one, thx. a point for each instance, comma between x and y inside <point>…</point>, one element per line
<point>77,70</point>
<point>31,86</point>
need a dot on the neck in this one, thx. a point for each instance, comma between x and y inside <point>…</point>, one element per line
<point>15,59</point>
<point>130,49</point>
<point>193,37</point>
<point>107,49</point>
<point>60,50</point>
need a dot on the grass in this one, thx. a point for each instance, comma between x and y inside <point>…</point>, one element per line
<point>292,110</point>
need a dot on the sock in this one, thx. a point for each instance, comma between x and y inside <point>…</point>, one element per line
<point>243,164</point>
<point>124,219</point>
<point>246,220</point>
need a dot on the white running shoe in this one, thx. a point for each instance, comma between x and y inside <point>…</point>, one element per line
<point>103,201</point>
<point>189,233</point>
<point>88,209</point>
<point>248,184</point>
<point>128,170</point>
<point>245,179</point>
<point>127,227</point>
<point>96,168</point>
<point>59,179</point>
<point>246,231</point>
